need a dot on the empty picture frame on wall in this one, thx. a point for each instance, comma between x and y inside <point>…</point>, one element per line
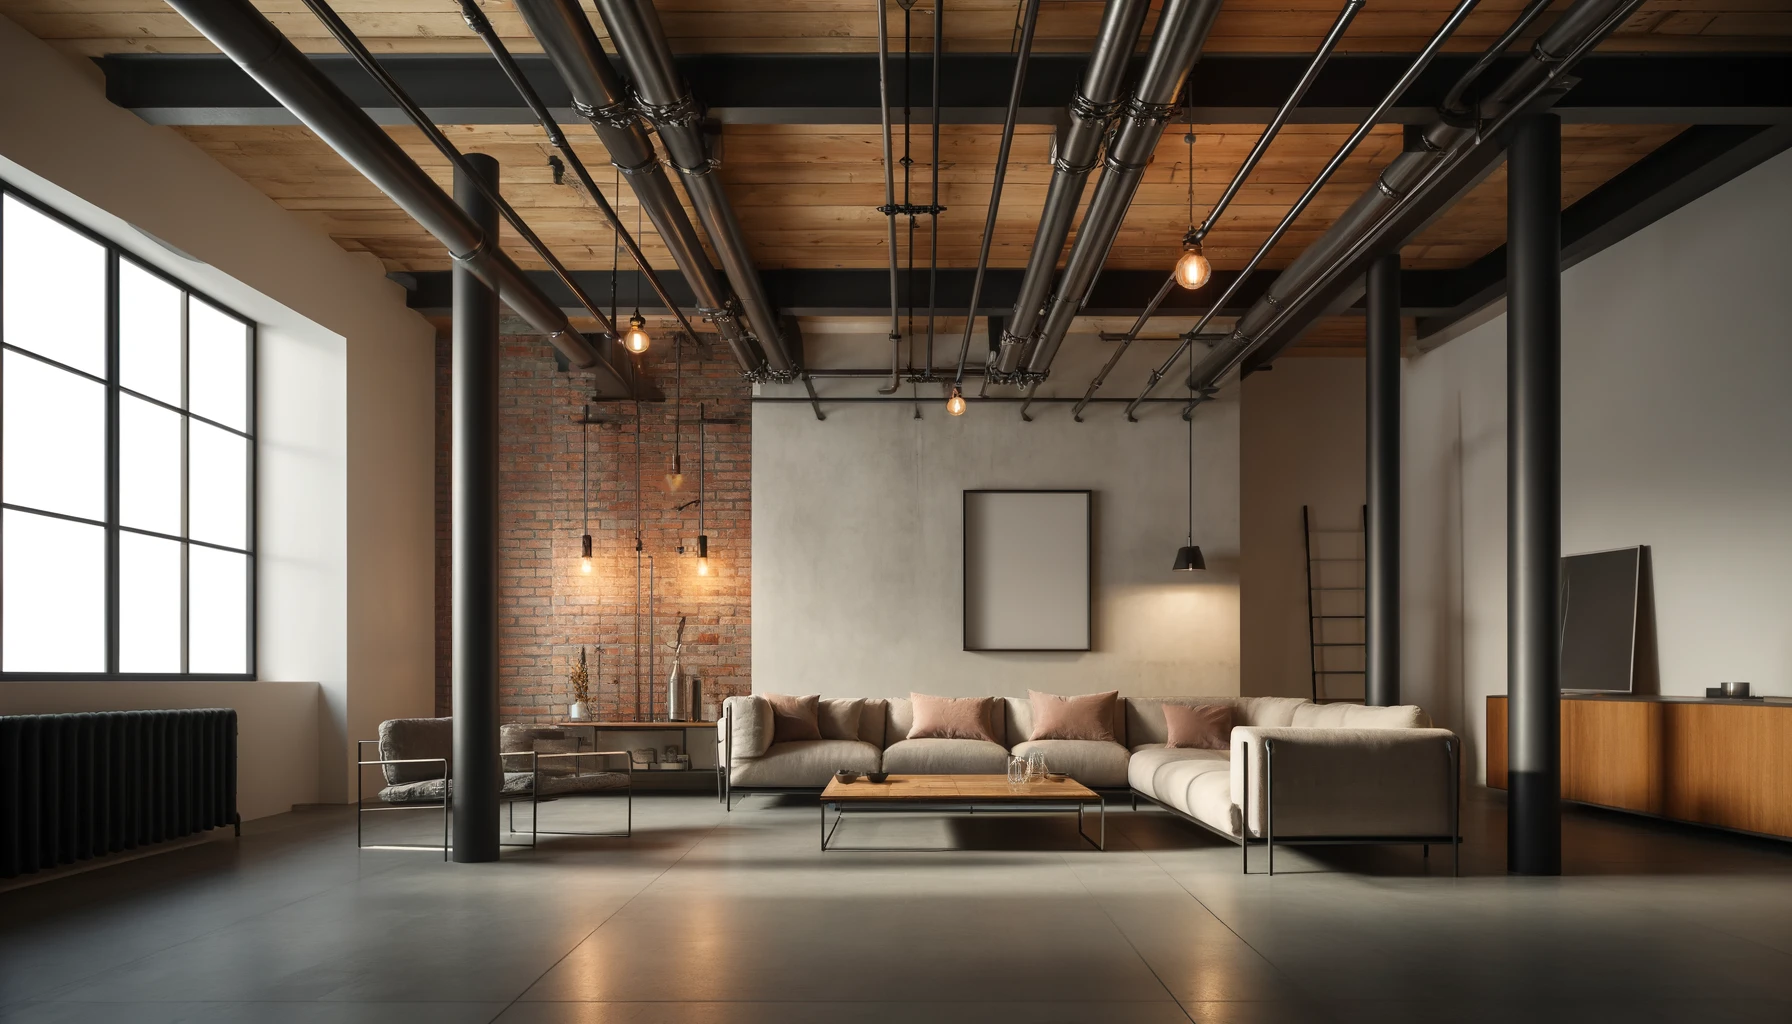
<point>1028,570</point>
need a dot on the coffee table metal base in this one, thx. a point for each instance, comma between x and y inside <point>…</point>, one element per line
<point>1099,841</point>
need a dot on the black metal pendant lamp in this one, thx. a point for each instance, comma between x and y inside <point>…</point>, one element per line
<point>1188,556</point>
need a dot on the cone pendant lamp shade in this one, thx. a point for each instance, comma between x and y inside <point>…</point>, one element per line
<point>1188,559</point>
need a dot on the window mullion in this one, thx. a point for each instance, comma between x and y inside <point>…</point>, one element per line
<point>114,626</point>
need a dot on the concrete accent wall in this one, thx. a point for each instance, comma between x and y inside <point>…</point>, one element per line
<point>345,390</point>
<point>858,546</point>
<point>1676,434</point>
<point>1301,443</point>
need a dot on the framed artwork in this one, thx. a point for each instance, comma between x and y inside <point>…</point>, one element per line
<point>1028,570</point>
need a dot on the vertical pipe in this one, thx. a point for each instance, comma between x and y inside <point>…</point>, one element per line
<point>474,385</point>
<point>1534,494</point>
<point>1381,629</point>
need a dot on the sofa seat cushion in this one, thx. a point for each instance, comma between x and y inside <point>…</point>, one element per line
<point>431,791</point>
<point>946,757</point>
<point>1094,763</point>
<point>804,764</point>
<point>1191,780</point>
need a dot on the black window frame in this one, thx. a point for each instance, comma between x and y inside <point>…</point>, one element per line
<point>113,528</point>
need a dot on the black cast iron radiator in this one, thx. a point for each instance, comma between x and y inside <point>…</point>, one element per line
<point>85,785</point>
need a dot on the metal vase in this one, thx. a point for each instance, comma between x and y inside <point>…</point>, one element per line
<point>677,709</point>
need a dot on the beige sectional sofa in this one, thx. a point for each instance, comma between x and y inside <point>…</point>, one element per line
<point>1296,772</point>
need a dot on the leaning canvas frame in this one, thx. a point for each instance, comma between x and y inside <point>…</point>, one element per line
<point>1029,570</point>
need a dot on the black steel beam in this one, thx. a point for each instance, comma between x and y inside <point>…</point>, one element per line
<point>1685,168</point>
<point>867,292</point>
<point>842,88</point>
<point>1534,498</point>
<point>473,386</point>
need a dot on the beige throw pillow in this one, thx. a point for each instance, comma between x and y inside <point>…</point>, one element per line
<point>1089,716</point>
<point>952,718</point>
<point>794,718</point>
<point>839,718</point>
<point>1199,726</point>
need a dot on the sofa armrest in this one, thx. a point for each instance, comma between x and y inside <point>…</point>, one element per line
<point>1340,783</point>
<point>745,730</point>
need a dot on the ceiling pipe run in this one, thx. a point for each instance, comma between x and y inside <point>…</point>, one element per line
<point>1413,70</point>
<point>599,96</point>
<point>1075,152</point>
<point>249,39</point>
<point>1408,179</point>
<point>1181,30</point>
<point>665,100</point>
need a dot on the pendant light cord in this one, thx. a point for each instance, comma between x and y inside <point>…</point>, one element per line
<point>1189,137</point>
<point>1191,452</point>
<point>585,464</point>
<point>616,248</point>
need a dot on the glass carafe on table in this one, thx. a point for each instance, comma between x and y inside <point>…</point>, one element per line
<point>1036,766</point>
<point>1017,770</point>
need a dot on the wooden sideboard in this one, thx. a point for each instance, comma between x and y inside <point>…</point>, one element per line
<point>1726,763</point>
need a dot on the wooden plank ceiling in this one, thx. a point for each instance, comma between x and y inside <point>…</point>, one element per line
<point>93,27</point>
<point>806,195</point>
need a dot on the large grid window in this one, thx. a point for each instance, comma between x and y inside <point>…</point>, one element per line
<point>127,463</point>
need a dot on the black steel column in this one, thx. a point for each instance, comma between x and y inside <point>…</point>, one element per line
<point>1534,495</point>
<point>1381,629</point>
<point>475,541</point>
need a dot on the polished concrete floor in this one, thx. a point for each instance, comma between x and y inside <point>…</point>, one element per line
<point>709,917</point>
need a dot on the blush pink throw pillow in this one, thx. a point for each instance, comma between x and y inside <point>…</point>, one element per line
<point>1200,726</point>
<point>794,718</point>
<point>1089,716</point>
<point>952,718</point>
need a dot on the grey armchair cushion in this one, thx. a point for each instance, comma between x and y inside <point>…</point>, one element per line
<point>518,741</point>
<point>403,738</point>
<point>431,791</point>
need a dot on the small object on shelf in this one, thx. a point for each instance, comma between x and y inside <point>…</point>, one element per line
<point>1734,689</point>
<point>876,776</point>
<point>643,757</point>
<point>844,777</point>
<point>580,681</point>
<point>576,711</point>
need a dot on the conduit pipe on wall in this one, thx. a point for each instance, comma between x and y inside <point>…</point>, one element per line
<point>599,96</point>
<point>664,99</point>
<point>249,39</point>
<point>1075,152</point>
<point>1410,178</point>
<point>1418,65</point>
<point>1181,30</point>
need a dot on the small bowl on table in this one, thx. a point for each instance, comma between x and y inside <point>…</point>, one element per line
<point>876,776</point>
<point>844,777</point>
<point>1056,776</point>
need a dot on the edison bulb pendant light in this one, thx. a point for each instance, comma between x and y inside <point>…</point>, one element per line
<point>585,554</point>
<point>1193,270</point>
<point>675,475</point>
<point>702,555</point>
<point>955,404</point>
<point>635,339</point>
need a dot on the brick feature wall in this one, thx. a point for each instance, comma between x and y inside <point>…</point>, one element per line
<point>548,608</point>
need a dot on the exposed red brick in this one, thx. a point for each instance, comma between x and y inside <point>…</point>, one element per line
<point>547,607</point>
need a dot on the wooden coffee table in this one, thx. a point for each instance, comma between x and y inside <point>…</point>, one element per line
<point>952,792</point>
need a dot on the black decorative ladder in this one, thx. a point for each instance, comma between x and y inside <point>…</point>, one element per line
<point>1337,598</point>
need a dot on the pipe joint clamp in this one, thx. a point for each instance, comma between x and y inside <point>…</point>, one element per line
<point>1082,108</point>
<point>613,115</point>
<point>1382,186</point>
<point>682,112</point>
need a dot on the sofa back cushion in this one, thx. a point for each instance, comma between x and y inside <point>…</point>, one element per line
<point>405,738</point>
<point>838,718</point>
<point>1356,716</point>
<point>1145,716</point>
<point>900,719</point>
<point>794,717</point>
<point>874,716</point>
<point>1088,716</point>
